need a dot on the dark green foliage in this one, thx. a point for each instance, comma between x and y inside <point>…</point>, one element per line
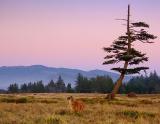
<point>39,87</point>
<point>140,24</point>
<point>54,87</point>
<point>83,84</point>
<point>24,88</point>
<point>100,84</point>
<point>13,88</point>
<point>142,84</point>
<point>36,87</point>
<point>51,87</point>
<point>122,49</point>
<point>130,70</point>
<point>69,88</point>
<point>60,85</point>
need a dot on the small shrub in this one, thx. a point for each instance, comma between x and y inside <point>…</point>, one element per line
<point>47,101</point>
<point>78,114</point>
<point>148,114</point>
<point>124,103</point>
<point>90,100</point>
<point>14,100</point>
<point>62,112</point>
<point>131,94</point>
<point>129,113</point>
<point>135,114</point>
<point>8,100</point>
<point>53,120</point>
<point>21,100</point>
<point>146,102</point>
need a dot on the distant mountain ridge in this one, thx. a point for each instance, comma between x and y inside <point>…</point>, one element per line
<point>26,74</point>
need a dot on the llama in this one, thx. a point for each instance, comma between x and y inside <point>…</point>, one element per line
<point>75,105</point>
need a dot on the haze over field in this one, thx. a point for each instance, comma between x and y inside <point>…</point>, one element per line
<point>71,33</point>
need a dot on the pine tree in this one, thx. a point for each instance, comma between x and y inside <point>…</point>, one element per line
<point>69,88</point>
<point>60,85</point>
<point>82,84</point>
<point>24,88</point>
<point>51,87</point>
<point>79,82</point>
<point>13,88</point>
<point>122,50</point>
<point>39,86</point>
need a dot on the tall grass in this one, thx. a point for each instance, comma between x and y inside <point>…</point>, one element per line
<point>54,109</point>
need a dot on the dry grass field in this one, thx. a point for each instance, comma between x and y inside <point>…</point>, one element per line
<point>53,109</point>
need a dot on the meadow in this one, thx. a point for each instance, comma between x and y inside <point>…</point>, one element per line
<point>53,109</point>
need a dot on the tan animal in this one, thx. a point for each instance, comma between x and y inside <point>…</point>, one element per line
<point>75,105</point>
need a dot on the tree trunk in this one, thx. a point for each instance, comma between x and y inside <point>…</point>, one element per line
<point>118,84</point>
<point>119,81</point>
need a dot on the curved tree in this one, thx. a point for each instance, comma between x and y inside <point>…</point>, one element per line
<point>122,50</point>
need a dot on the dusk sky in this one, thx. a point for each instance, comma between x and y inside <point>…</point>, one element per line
<point>71,33</point>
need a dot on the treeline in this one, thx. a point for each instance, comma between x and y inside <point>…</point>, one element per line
<point>142,84</point>
<point>100,84</point>
<point>39,87</point>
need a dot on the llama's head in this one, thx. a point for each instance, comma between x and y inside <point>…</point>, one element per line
<point>70,98</point>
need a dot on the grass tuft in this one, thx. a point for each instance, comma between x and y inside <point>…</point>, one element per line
<point>47,101</point>
<point>22,100</point>
<point>135,114</point>
<point>146,101</point>
<point>62,112</point>
<point>123,103</point>
<point>128,113</point>
<point>14,100</point>
<point>53,120</point>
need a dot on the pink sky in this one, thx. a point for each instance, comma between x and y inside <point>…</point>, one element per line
<point>70,34</point>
